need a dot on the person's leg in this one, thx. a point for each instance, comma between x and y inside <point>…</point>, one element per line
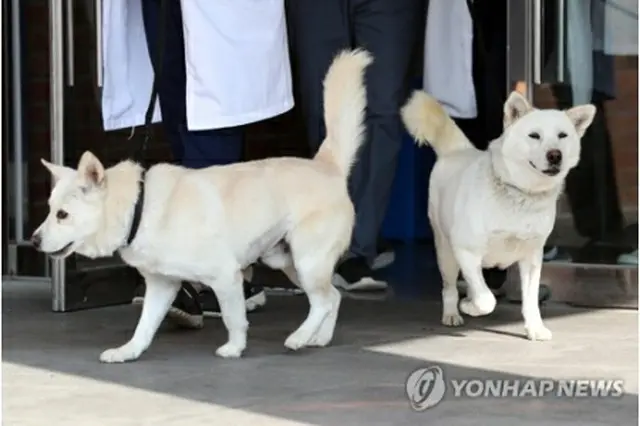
<point>215,147</point>
<point>389,29</point>
<point>489,76</point>
<point>318,30</point>
<point>191,149</point>
<point>172,84</point>
<point>186,310</point>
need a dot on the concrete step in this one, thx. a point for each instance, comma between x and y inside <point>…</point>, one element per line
<point>601,286</point>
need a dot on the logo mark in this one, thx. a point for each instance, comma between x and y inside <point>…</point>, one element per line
<point>425,388</point>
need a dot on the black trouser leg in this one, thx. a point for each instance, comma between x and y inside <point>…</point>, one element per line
<point>318,30</point>
<point>389,30</point>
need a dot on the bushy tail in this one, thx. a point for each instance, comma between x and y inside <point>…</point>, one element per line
<point>428,122</point>
<point>345,101</point>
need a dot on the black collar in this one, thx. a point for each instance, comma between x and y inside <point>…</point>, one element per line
<point>137,210</point>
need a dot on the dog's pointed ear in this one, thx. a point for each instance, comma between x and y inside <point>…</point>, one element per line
<point>515,107</point>
<point>91,169</point>
<point>57,171</point>
<point>582,116</point>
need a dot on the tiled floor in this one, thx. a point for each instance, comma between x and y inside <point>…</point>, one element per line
<point>51,375</point>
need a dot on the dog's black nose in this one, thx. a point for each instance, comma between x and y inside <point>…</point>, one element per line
<point>554,157</point>
<point>36,240</point>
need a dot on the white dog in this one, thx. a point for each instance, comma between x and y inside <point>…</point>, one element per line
<point>496,207</point>
<point>209,225</point>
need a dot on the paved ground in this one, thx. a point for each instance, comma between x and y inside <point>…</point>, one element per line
<point>51,375</point>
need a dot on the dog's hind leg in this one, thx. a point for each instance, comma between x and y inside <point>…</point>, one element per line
<point>278,258</point>
<point>159,294</point>
<point>324,335</point>
<point>324,303</point>
<point>480,300</point>
<point>315,248</point>
<point>228,289</point>
<point>449,271</point>
<point>530,270</point>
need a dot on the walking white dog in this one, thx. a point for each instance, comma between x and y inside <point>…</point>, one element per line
<point>209,225</point>
<point>496,207</point>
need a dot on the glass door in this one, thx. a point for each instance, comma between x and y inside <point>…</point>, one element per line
<point>563,53</point>
<point>76,126</point>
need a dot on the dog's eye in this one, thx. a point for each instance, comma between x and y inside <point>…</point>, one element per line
<point>534,135</point>
<point>562,135</point>
<point>61,214</point>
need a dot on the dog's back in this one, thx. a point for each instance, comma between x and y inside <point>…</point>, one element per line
<point>429,124</point>
<point>248,207</point>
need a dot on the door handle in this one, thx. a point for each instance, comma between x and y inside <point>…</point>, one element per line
<point>56,73</point>
<point>537,41</point>
<point>18,141</point>
<point>70,45</point>
<point>99,42</point>
<point>561,40</point>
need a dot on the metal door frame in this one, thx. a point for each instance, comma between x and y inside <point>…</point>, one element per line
<point>55,271</point>
<point>525,41</point>
<point>522,59</point>
<point>16,239</point>
<point>56,75</point>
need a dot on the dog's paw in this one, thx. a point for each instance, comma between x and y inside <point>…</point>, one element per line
<point>452,320</point>
<point>479,306</point>
<point>321,339</point>
<point>118,355</point>
<point>296,341</point>
<point>538,332</point>
<point>229,350</point>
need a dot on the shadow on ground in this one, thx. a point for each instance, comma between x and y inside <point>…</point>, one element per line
<point>51,373</point>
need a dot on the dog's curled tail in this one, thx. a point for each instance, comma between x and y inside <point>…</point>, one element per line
<point>429,124</point>
<point>345,101</point>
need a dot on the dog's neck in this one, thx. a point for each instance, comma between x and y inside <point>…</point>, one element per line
<point>121,194</point>
<point>517,178</point>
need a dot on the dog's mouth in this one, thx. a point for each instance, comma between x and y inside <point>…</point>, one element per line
<point>551,171</point>
<point>63,252</point>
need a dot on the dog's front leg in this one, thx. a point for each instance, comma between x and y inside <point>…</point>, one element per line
<point>530,270</point>
<point>229,291</point>
<point>479,300</point>
<point>159,294</point>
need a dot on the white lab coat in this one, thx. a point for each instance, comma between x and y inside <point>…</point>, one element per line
<point>237,63</point>
<point>448,57</point>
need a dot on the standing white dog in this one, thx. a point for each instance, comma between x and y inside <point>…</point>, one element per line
<point>208,225</point>
<point>496,207</point>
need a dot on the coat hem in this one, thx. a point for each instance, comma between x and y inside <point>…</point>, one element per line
<point>129,121</point>
<point>221,122</point>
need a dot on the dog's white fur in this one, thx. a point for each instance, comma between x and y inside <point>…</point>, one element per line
<point>209,225</point>
<point>495,207</point>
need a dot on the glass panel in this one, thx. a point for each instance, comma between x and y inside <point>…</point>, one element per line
<point>7,221</point>
<point>590,55</point>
